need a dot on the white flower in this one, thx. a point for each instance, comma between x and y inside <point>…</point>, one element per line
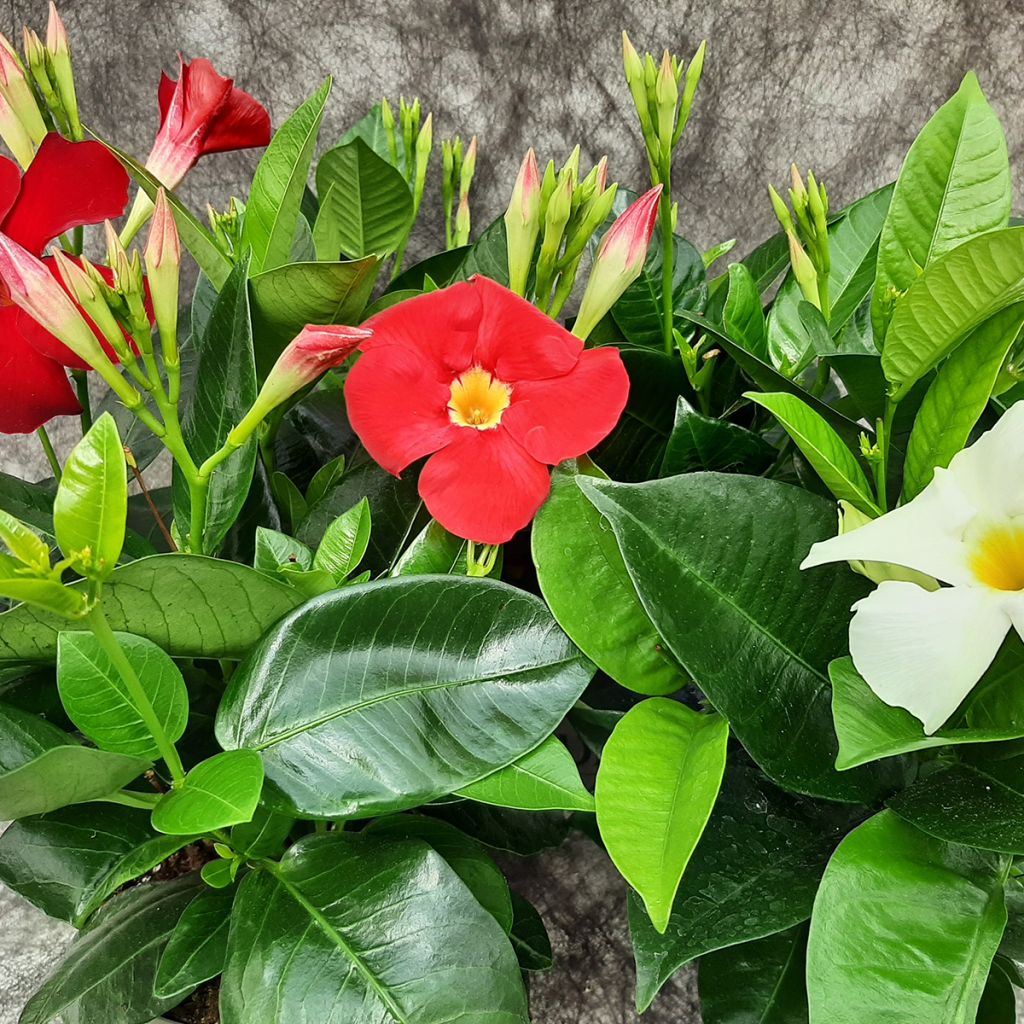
<point>925,650</point>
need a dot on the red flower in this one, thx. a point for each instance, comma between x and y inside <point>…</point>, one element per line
<point>68,184</point>
<point>202,112</point>
<point>493,390</point>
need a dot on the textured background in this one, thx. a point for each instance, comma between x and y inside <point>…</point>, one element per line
<point>840,86</point>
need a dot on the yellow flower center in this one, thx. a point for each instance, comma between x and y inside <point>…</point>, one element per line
<point>478,400</point>
<point>997,557</point>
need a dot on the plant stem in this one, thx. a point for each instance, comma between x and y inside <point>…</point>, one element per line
<point>97,621</point>
<point>81,379</point>
<point>51,455</point>
<point>129,798</point>
<point>884,432</point>
<point>667,252</point>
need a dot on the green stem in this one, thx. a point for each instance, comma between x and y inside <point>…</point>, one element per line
<point>51,455</point>
<point>667,253</point>
<point>884,430</point>
<point>81,379</point>
<point>128,798</point>
<point>77,241</point>
<point>97,621</point>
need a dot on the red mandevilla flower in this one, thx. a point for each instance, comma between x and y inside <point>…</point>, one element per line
<point>489,387</point>
<point>68,184</point>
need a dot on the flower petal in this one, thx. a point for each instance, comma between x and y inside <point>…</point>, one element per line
<point>925,534</point>
<point>67,184</point>
<point>563,417</point>
<point>33,389</point>
<point>484,486</point>
<point>925,650</point>
<point>517,341</point>
<point>242,122</point>
<point>10,185</point>
<point>397,406</point>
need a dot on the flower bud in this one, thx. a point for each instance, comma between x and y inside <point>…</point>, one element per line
<point>462,223</point>
<point>12,131</point>
<point>781,211</point>
<point>666,92</point>
<point>803,270</point>
<point>163,260</point>
<point>17,92</point>
<point>387,117</point>
<point>522,223</point>
<point>90,294</point>
<point>618,261</point>
<point>468,169</point>
<point>60,61</point>
<point>634,68</point>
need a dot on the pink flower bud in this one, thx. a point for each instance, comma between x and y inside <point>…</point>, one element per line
<point>522,222</point>
<point>17,93</point>
<point>56,33</point>
<point>619,259</point>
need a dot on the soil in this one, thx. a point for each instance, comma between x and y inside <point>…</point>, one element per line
<point>201,1007</point>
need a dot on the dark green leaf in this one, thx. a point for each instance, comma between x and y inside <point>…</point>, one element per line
<point>198,945</point>
<point>530,937</point>
<point>488,256</point>
<point>743,317</point>
<point>434,552</point>
<point>701,442</point>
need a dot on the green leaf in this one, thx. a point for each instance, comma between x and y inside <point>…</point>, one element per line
<point>759,982</point>
<point>464,855</point>
<point>904,928</point>
<point>274,549</point>
<point>453,677</point>
<point>287,298</point>
<point>955,294</point>
<point>220,791</point>
<point>366,205</point>
<point>225,389</point>
<point>191,606</point>
<point>275,198</point>
<point>265,834</point>
<point>754,873</point>
<point>68,862</point>
<point>545,779</point>
<point>370,128</point>
<point>91,507</point>
<point>954,184</point>
<point>743,317</point>
<point>46,595</point>
<point>714,560</point>
<point>660,773</point>
<point>29,504</point>
<point>586,585</point>
<point>701,442</point>
<point>488,256</point>
<point>823,448</point>
<point>324,479</point>
<point>102,707</point>
<point>294,943</point>
<point>957,397</point>
<point>529,937</point>
<point>109,971</point>
<point>869,729</point>
<point>345,541</point>
<point>43,768</point>
<point>198,945</point>
<point>998,1002</point>
<point>435,552</point>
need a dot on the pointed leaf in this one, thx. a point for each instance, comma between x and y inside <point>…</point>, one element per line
<point>197,946</point>
<point>701,442</point>
<point>345,542</point>
<point>743,316</point>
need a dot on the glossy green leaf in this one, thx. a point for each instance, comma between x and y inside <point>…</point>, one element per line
<point>700,442</point>
<point>296,941</point>
<point>273,208</point>
<point>69,861</point>
<point>545,779</point>
<point>712,558</point>
<point>998,1001</point>
<point>487,256</point>
<point>366,205</point>
<point>413,665</point>
<point>265,834</point>
<point>225,389</point>
<point>30,503</point>
<point>191,606</point>
<point>274,549</point>
<point>109,971</point>
<point>370,128</point>
<point>904,928</point>
<point>955,294</point>
<point>99,702</point>
<point>220,791</point>
<point>586,585</point>
<point>957,397</point>
<point>759,982</point>
<point>345,542</point>
<point>823,448</point>
<point>23,543</point>
<point>435,552</point>
<point>660,773</point>
<point>529,937</point>
<point>754,873</point>
<point>43,768</point>
<point>954,184</point>
<point>198,945</point>
<point>46,596</point>
<point>523,833</point>
<point>91,507</point>
<point>743,316</point>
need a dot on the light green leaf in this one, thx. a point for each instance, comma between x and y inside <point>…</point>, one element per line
<point>102,707</point>
<point>954,184</point>
<point>47,595</point>
<point>274,549</point>
<point>660,773</point>
<point>436,552</point>
<point>345,542</point>
<point>743,316</point>
<point>23,542</point>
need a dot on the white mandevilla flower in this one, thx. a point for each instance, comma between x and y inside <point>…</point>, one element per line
<point>924,650</point>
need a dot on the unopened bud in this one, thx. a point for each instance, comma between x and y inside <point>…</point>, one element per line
<point>91,297</point>
<point>12,131</point>
<point>781,211</point>
<point>16,90</point>
<point>462,222</point>
<point>522,223</point>
<point>803,270</point>
<point>666,93</point>
<point>468,169</point>
<point>63,75</point>
<point>163,262</point>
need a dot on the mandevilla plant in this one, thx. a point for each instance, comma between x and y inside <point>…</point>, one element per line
<point>445,568</point>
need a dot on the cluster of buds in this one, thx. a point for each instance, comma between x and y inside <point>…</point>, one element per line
<point>412,158</point>
<point>37,95</point>
<point>808,237</point>
<point>663,95</point>
<point>563,211</point>
<point>458,170</point>
<point>227,228</point>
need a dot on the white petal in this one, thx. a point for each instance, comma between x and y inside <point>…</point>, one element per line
<point>925,534</point>
<point>924,650</point>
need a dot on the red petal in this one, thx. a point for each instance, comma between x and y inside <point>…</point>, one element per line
<point>484,486</point>
<point>33,389</point>
<point>240,123</point>
<point>397,406</point>
<point>10,185</point>
<point>441,326</point>
<point>66,185</point>
<point>199,94</point>
<point>566,416</point>
<point>519,342</point>
<point>165,93</point>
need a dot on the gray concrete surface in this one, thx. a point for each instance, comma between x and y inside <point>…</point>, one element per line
<point>840,86</point>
